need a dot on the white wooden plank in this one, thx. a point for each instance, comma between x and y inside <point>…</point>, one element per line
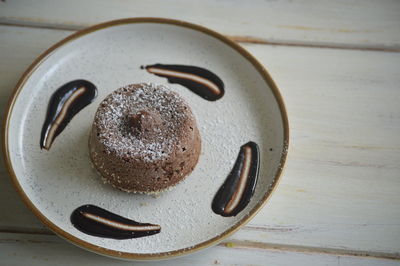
<point>340,189</point>
<point>342,176</point>
<point>20,249</point>
<point>344,23</point>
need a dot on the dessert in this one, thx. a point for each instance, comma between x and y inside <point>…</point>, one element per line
<point>144,138</point>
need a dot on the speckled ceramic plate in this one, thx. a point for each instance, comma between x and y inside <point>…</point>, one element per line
<point>53,183</point>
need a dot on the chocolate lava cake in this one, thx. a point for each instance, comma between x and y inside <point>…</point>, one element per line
<point>144,138</point>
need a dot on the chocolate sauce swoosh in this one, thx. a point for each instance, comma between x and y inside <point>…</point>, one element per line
<point>201,81</point>
<point>64,104</point>
<point>238,188</point>
<point>96,221</point>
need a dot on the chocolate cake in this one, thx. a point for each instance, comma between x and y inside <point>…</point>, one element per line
<point>144,138</point>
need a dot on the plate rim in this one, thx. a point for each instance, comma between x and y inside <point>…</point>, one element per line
<point>144,256</point>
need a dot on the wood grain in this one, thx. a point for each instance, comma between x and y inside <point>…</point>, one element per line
<point>51,250</point>
<point>365,24</point>
<point>341,186</point>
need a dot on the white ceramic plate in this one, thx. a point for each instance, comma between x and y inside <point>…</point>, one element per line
<point>53,183</point>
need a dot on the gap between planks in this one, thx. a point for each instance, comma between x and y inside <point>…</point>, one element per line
<point>240,244</point>
<point>309,249</point>
<point>240,39</point>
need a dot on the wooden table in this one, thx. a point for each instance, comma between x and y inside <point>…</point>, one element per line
<point>337,64</point>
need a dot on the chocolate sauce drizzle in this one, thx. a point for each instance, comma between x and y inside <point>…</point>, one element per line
<point>64,104</point>
<point>95,221</point>
<point>238,188</point>
<point>199,80</point>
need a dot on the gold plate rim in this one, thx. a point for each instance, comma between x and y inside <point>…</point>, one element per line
<point>144,256</point>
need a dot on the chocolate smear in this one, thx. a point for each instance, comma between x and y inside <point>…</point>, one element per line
<point>238,188</point>
<point>201,81</point>
<point>96,221</point>
<point>64,104</point>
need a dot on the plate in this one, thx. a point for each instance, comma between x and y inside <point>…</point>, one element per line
<point>53,183</point>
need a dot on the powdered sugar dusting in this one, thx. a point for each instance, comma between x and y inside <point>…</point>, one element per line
<point>112,121</point>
